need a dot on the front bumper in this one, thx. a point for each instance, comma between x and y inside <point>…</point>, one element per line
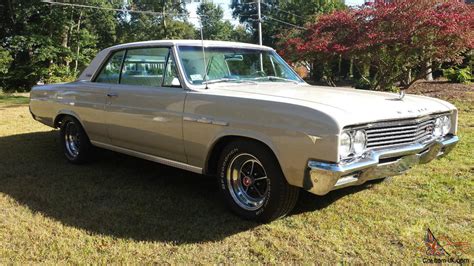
<point>324,177</point>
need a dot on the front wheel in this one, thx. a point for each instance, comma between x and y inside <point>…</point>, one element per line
<point>253,184</point>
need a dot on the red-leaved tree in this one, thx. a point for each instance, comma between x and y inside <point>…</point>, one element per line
<point>391,40</point>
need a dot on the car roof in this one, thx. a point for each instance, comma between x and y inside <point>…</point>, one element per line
<point>207,43</point>
<point>88,73</point>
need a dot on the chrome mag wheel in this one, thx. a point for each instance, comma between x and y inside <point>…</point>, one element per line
<point>247,181</point>
<point>72,139</point>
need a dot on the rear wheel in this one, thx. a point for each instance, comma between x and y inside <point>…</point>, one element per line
<point>75,142</point>
<point>253,184</point>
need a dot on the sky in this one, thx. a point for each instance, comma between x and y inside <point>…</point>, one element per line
<point>354,2</point>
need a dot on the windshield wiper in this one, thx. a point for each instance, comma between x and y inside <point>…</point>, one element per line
<point>275,78</point>
<point>226,80</point>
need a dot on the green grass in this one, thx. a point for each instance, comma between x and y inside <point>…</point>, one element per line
<point>119,209</point>
<point>13,99</point>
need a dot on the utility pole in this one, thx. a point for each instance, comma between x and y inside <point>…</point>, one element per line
<point>260,32</point>
<point>259,23</point>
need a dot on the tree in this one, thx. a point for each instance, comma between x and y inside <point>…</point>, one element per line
<point>213,25</point>
<point>297,12</point>
<point>5,60</point>
<point>142,27</point>
<point>389,41</point>
<point>241,34</point>
<point>51,43</point>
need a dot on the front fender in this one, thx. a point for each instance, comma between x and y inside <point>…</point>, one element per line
<point>294,133</point>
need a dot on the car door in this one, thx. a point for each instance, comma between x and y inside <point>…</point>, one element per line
<point>144,111</point>
<point>90,98</point>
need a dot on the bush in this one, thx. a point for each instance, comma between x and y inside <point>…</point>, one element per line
<point>458,75</point>
<point>363,84</point>
<point>57,74</point>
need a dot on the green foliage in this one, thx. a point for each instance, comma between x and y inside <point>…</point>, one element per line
<point>57,73</point>
<point>143,27</point>
<point>215,28</point>
<point>47,42</point>
<point>5,60</point>
<point>10,99</point>
<point>363,84</point>
<point>459,75</point>
<point>303,11</point>
<point>241,34</point>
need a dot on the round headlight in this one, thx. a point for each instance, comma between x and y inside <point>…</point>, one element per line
<point>438,128</point>
<point>445,125</point>
<point>344,144</point>
<point>360,140</point>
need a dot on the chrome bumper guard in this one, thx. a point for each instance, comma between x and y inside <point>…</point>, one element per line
<point>376,164</point>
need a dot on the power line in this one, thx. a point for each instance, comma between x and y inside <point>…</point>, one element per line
<point>118,10</point>
<point>284,11</point>
<point>287,23</point>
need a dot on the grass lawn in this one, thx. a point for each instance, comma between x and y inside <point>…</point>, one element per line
<point>13,99</point>
<point>119,209</point>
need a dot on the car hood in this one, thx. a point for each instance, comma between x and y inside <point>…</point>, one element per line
<point>348,106</point>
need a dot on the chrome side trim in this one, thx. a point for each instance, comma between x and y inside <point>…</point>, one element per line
<point>149,157</point>
<point>205,120</point>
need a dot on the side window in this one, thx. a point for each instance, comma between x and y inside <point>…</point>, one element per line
<point>111,71</point>
<point>144,66</point>
<point>171,74</point>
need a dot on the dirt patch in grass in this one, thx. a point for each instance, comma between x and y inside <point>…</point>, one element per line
<point>444,90</point>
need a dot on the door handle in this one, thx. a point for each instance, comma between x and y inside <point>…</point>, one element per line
<point>112,94</point>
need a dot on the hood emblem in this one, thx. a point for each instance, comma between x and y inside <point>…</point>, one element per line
<point>401,95</point>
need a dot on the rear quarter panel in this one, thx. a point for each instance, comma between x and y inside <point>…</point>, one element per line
<point>83,100</point>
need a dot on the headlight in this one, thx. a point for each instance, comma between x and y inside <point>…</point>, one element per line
<point>442,126</point>
<point>445,124</point>
<point>438,128</point>
<point>359,142</point>
<point>345,144</point>
<point>352,143</point>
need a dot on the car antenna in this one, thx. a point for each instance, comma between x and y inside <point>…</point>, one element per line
<point>203,53</point>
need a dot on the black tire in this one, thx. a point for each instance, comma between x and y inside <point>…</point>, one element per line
<point>74,140</point>
<point>279,197</point>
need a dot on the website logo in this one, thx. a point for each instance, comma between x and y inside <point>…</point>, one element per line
<point>443,249</point>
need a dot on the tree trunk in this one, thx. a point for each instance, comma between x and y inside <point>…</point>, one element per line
<point>76,61</point>
<point>351,68</point>
<point>11,11</point>
<point>339,67</point>
<point>429,71</point>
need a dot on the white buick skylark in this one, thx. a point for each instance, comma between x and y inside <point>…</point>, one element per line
<point>239,112</point>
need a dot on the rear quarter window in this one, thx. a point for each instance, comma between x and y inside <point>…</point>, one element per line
<point>110,72</point>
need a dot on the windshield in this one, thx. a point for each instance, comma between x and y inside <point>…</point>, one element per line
<point>226,64</point>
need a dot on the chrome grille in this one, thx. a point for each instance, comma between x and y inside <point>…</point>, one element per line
<point>387,134</point>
